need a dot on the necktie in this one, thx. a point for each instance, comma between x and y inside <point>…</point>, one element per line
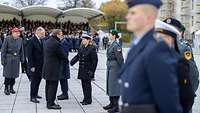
<point>40,40</point>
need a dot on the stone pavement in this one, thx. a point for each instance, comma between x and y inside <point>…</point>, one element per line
<point>20,102</point>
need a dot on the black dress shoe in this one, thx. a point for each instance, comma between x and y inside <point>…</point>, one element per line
<point>63,97</point>
<point>39,97</point>
<point>82,101</point>
<point>34,100</point>
<point>54,107</point>
<point>12,91</point>
<point>109,106</point>
<point>86,103</point>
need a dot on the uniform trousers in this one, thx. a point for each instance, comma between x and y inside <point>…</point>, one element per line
<point>87,90</point>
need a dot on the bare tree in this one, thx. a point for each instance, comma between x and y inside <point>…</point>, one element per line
<point>24,3</point>
<point>86,3</point>
<point>66,4</point>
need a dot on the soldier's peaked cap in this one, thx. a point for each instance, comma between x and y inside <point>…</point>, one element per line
<point>86,36</point>
<point>156,3</point>
<point>165,28</point>
<point>176,23</point>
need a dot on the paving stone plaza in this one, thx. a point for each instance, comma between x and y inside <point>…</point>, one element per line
<point>20,102</point>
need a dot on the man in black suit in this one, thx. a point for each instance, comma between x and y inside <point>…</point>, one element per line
<point>35,61</point>
<point>54,55</point>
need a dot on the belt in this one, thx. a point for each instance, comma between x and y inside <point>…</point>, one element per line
<point>146,108</point>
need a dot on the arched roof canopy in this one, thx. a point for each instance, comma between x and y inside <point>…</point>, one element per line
<point>45,13</point>
<point>9,12</point>
<point>82,14</point>
<point>41,10</point>
<point>9,9</point>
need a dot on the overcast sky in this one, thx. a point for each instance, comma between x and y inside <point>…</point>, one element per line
<point>98,3</point>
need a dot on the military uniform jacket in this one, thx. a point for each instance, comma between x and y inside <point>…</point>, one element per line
<point>149,76</point>
<point>65,69</point>
<point>114,64</point>
<point>87,57</point>
<point>193,72</point>
<point>54,55</point>
<point>11,54</point>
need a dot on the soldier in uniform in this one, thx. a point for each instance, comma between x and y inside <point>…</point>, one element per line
<point>11,55</point>
<point>170,34</point>
<point>114,63</point>
<point>65,71</point>
<point>185,50</point>
<point>87,57</point>
<point>105,41</point>
<point>148,77</point>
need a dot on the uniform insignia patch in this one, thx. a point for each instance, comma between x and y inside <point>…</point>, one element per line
<point>188,55</point>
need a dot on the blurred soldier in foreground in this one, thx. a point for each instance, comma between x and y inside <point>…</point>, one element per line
<point>11,55</point>
<point>148,77</point>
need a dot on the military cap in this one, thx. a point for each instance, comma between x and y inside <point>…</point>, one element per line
<point>86,36</point>
<point>114,32</point>
<point>15,29</point>
<point>176,23</point>
<point>167,29</point>
<point>156,3</point>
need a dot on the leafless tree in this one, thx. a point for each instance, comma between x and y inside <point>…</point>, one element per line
<point>24,3</point>
<point>86,3</point>
<point>66,4</point>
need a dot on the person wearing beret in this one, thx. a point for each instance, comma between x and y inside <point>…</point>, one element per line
<point>11,54</point>
<point>148,78</point>
<point>114,63</point>
<point>87,57</point>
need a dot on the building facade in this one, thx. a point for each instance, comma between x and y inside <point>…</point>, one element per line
<point>187,11</point>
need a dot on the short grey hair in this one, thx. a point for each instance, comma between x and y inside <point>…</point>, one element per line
<point>40,29</point>
<point>55,32</point>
